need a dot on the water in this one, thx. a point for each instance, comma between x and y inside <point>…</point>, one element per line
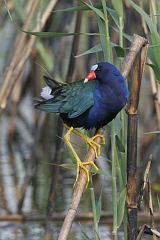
<point>30,231</point>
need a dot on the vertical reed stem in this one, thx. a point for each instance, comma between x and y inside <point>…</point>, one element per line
<point>132,143</point>
<point>131,176</point>
<point>114,185</point>
<point>108,54</point>
<point>94,212</point>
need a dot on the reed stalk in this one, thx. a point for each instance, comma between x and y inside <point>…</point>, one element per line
<point>114,184</point>
<point>108,54</point>
<point>108,58</point>
<point>123,129</point>
<point>81,217</point>
<point>20,57</point>
<point>132,142</point>
<point>94,212</point>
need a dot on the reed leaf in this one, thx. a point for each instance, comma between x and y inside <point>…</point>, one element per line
<point>119,51</point>
<point>58,34</point>
<point>119,145</point>
<point>95,49</point>
<point>121,207</point>
<point>147,18</point>
<point>99,207</point>
<point>155,37</point>
<point>156,70</point>
<point>118,6</point>
<point>96,11</point>
<point>84,7</point>
<point>114,16</point>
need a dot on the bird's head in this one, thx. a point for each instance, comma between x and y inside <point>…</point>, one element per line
<point>100,70</point>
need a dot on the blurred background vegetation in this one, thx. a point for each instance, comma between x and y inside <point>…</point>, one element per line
<point>36,170</point>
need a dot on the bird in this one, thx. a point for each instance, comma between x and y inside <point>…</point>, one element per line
<point>89,103</point>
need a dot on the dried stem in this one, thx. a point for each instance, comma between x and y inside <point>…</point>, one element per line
<point>151,207</point>
<point>20,57</point>
<point>144,181</point>
<point>136,46</point>
<point>147,230</point>
<point>132,143</point>
<point>19,46</point>
<point>86,217</point>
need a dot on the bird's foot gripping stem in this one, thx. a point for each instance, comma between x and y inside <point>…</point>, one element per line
<point>80,164</point>
<point>90,141</point>
<point>96,146</point>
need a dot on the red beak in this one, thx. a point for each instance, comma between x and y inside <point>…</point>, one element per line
<point>90,76</point>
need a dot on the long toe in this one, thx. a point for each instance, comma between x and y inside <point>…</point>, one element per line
<point>92,164</point>
<point>81,165</point>
<point>96,147</point>
<point>103,140</point>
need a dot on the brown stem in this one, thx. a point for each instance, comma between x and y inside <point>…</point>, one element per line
<point>19,46</point>
<point>86,217</point>
<point>143,183</point>
<point>16,66</point>
<point>132,143</point>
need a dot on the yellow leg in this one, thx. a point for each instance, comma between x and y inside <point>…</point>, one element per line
<point>90,141</point>
<point>79,163</point>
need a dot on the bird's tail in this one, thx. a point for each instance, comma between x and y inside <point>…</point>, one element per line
<point>46,99</point>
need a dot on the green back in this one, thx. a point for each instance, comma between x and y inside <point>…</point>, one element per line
<point>74,99</point>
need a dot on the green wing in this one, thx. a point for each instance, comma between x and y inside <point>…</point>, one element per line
<point>73,99</point>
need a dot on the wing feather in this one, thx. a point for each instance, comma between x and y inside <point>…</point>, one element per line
<point>73,99</point>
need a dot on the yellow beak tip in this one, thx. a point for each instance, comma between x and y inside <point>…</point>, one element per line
<point>85,80</point>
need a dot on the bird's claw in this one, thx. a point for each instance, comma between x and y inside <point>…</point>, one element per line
<point>81,165</point>
<point>100,136</point>
<point>94,145</point>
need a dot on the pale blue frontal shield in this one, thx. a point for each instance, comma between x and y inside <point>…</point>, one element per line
<point>94,67</point>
